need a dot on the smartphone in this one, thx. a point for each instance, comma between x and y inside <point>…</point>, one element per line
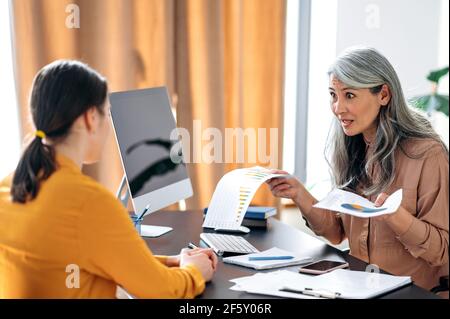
<point>323,266</point>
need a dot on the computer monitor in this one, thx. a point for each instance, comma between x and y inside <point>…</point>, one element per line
<point>156,174</point>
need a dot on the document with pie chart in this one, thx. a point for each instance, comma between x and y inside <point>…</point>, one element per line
<point>352,204</point>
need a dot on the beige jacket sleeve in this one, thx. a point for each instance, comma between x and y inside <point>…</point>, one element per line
<point>325,223</point>
<point>427,237</point>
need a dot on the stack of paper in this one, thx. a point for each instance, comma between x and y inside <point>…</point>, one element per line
<point>243,260</point>
<point>341,283</point>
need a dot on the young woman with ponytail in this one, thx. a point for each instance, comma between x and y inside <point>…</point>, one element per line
<point>62,234</point>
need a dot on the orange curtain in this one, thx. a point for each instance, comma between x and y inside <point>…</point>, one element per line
<point>116,37</point>
<point>230,72</point>
<point>222,61</point>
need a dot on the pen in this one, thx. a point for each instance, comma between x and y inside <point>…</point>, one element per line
<point>143,213</point>
<point>314,293</point>
<point>323,294</point>
<point>270,257</point>
<point>192,246</point>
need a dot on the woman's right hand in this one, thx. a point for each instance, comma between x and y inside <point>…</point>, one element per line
<point>201,260</point>
<point>290,187</point>
<point>287,186</point>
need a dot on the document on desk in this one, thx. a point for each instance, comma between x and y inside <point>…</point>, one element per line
<point>350,284</point>
<point>270,283</point>
<point>340,283</point>
<point>233,195</point>
<point>352,204</point>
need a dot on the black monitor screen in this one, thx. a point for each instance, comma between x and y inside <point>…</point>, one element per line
<point>143,122</point>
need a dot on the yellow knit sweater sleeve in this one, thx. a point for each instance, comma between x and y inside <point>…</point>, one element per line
<point>111,248</point>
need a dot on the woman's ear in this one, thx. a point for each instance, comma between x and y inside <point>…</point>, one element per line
<point>385,95</point>
<point>90,119</point>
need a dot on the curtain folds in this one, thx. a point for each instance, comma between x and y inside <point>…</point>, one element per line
<point>222,61</point>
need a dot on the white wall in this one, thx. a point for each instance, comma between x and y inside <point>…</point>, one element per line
<point>405,31</point>
<point>9,123</point>
<point>443,44</point>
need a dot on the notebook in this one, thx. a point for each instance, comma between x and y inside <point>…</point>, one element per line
<point>260,212</point>
<point>254,223</point>
<point>243,260</point>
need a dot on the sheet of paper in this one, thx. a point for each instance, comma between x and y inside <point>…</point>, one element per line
<point>348,283</point>
<point>270,283</point>
<point>353,284</point>
<point>352,204</point>
<point>233,195</point>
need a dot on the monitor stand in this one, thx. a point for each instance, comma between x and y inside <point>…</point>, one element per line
<point>146,230</point>
<point>154,231</point>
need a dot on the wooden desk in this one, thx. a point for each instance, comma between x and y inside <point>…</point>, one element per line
<point>187,227</point>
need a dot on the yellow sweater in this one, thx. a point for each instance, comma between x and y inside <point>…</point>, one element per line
<point>76,221</point>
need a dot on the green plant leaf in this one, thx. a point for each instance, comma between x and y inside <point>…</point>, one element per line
<point>442,103</point>
<point>430,103</point>
<point>436,75</point>
<point>421,102</point>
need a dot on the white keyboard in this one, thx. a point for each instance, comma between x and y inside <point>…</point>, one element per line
<point>223,244</point>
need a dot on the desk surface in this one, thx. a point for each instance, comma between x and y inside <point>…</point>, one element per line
<point>187,227</point>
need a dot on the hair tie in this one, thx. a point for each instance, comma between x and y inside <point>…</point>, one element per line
<point>40,134</point>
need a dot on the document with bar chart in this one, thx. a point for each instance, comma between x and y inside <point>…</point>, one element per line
<point>233,195</point>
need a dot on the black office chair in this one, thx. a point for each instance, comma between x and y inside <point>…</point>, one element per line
<point>443,285</point>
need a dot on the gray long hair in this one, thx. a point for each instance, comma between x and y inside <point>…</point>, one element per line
<point>362,67</point>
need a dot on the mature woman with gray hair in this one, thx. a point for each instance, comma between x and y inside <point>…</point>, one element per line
<point>378,144</point>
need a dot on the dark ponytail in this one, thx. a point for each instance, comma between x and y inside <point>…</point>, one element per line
<point>62,91</point>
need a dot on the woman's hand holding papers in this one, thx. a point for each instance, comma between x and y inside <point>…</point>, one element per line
<point>286,187</point>
<point>290,187</point>
<point>400,221</point>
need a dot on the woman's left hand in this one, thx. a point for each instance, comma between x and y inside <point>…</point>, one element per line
<point>381,198</point>
<point>174,261</point>
<point>399,221</point>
